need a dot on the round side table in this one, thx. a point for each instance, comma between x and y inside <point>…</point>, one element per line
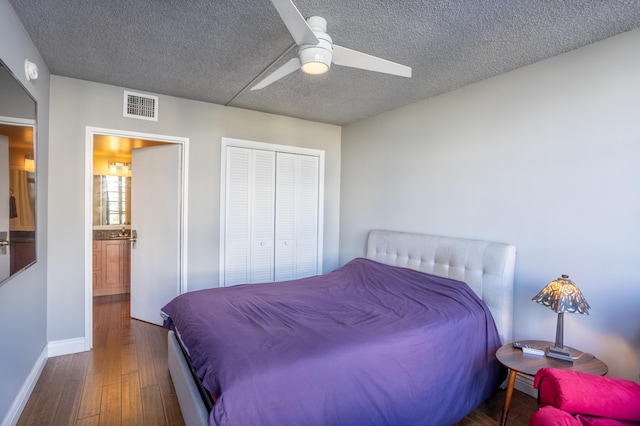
<point>518,362</point>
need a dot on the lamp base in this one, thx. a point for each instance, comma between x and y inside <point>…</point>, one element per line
<point>558,353</point>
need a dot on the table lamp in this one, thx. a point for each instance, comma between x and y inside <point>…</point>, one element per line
<point>562,295</point>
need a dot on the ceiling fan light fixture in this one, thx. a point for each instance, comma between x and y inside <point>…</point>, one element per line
<point>317,52</point>
<point>316,59</point>
<point>315,68</point>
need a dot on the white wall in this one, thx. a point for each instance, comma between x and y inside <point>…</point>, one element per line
<point>76,104</point>
<point>23,297</point>
<point>545,157</point>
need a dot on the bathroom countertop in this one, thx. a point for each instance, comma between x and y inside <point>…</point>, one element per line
<point>110,234</point>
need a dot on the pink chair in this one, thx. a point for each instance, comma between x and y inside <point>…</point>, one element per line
<point>571,398</point>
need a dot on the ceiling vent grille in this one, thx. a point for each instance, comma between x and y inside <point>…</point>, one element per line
<point>137,105</point>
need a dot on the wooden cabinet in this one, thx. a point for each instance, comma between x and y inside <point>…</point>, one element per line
<point>97,265</point>
<point>111,267</point>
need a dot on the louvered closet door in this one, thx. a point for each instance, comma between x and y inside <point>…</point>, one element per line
<point>296,219</point>
<point>250,183</point>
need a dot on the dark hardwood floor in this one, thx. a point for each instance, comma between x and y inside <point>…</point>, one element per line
<point>490,411</point>
<point>124,380</point>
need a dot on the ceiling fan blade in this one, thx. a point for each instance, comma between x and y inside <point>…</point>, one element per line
<point>295,22</point>
<point>289,67</point>
<point>352,58</point>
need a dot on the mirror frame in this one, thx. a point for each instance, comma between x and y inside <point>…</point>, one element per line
<point>27,237</point>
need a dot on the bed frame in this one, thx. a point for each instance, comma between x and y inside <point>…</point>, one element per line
<point>487,267</point>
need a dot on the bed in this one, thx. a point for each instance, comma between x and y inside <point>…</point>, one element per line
<point>406,335</point>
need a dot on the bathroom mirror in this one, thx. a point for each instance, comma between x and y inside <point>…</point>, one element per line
<point>17,176</point>
<point>111,201</point>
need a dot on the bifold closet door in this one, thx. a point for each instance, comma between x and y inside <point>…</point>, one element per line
<point>296,218</point>
<point>271,216</point>
<point>249,216</point>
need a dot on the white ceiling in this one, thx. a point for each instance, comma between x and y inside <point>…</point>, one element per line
<point>211,50</point>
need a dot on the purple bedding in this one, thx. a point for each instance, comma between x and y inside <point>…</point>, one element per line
<point>368,344</point>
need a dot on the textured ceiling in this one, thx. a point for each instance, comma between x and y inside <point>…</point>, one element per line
<point>211,50</point>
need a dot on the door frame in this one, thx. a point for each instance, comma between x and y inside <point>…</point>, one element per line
<point>90,132</point>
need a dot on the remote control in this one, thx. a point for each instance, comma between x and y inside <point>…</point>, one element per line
<point>519,345</point>
<point>533,351</point>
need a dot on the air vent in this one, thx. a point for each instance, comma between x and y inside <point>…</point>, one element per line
<point>137,105</point>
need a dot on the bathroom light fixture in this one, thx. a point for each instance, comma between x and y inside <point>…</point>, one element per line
<point>29,164</point>
<point>119,169</point>
<point>562,295</point>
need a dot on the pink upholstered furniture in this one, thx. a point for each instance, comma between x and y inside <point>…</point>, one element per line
<point>571,398</point>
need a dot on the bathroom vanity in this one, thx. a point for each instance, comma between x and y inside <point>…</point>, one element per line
<point>111,262</point>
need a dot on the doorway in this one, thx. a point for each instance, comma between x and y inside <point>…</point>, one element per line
<point>122,144</point>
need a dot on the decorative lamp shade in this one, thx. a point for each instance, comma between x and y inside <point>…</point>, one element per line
<point>562,295</point>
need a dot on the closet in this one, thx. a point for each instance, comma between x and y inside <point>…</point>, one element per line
<point>271,204</point>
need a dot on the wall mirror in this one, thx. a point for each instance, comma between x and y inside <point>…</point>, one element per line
<point>111,200</point>
<point>17,176</point>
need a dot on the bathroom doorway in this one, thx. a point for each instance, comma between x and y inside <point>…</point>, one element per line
<point>111,153</point>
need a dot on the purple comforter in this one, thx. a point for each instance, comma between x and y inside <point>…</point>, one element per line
<point>368,344</point>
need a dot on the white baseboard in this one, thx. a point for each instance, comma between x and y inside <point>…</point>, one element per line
<point>66,347</point>
<point>524,384</point>
<point>13,415</point>
<point>56,348</point>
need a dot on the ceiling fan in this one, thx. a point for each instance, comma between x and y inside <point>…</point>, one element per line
<point>316,50</point>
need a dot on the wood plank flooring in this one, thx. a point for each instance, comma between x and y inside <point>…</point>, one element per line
<point>490,411</point>
<point>124,380</point>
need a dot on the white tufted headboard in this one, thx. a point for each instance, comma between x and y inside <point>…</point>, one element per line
<point>485,266</point>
